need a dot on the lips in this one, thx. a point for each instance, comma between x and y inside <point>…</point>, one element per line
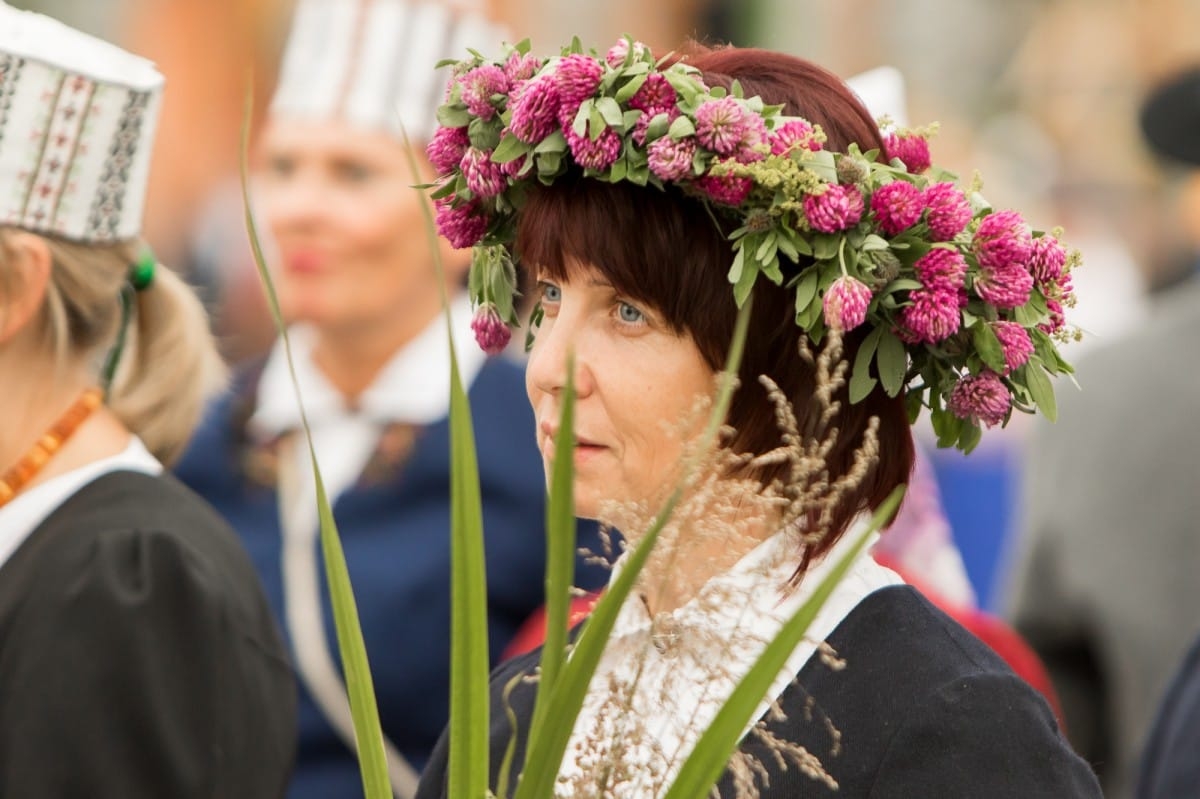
<point>304,262</point>
<point>549,434</point>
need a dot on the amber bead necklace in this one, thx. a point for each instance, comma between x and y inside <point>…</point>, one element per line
<point>33,461</point>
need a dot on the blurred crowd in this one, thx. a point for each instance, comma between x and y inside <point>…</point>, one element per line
<point>1081,535</point>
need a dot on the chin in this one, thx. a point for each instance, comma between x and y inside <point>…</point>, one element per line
<point>297,310</point>
<point>586,505</point>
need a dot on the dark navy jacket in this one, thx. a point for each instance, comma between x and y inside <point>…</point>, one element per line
<point>922,709</point>
<point>394,525</point>
<point>1171,764</point>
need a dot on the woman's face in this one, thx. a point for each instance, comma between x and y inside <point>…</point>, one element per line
<point>348,226</point>
<point>638,390</point>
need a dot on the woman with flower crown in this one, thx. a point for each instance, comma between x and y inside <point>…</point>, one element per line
<point>138,653</point>
<point>637,191</point>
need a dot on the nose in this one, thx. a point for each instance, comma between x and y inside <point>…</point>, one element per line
<point>556,344</point>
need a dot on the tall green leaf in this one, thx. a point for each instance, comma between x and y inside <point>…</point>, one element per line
<point>467,766</point>
<point>560,550</point>
<point>548,741</point>
<point>367,731</point>
<point>468,759</point>
<point>708,760</point>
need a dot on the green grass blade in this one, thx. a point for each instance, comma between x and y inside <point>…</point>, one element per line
<point>367,731</point>
<point>467,767</point>
<point>560,550</point>
<point>708,760</point>
<point>548,740</point>
<point>468,614</point>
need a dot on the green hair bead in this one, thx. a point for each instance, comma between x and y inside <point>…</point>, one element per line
<point>141,272</point>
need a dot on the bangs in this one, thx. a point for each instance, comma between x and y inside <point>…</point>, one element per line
<point>658,248</point>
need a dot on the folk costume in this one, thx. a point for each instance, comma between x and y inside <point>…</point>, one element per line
<point>138,655</point>
<point>943,301</point>
<point>899,701</point>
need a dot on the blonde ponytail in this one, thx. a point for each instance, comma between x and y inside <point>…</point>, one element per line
<point>169,366</point>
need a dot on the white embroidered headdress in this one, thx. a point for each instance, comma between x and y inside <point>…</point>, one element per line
<point>77,121</point>
<point>370,62</point>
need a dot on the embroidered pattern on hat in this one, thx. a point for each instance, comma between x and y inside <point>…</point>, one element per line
<point>10,76</point>
<point>68,115</point>
<point>107,205</point>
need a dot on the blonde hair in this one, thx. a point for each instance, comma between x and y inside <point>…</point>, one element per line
<point>169,367</point>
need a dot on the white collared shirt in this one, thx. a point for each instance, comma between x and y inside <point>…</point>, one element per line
<point>413,387</point>
<point>22,515</point>
<point>650,700</point>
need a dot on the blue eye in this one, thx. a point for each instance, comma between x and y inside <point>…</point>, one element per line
<point>629,314</point>
<point>551,293</point>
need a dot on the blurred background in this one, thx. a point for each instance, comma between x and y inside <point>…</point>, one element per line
<point>1040,96</point>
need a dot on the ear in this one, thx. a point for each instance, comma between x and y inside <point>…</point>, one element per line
<point>28,265</point>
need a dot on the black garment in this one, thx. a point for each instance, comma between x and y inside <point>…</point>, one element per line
<point>924,709</point>
<point>138,657</point>
<point>1171,764</point>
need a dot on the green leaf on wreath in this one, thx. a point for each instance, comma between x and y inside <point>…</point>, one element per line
<point>484,134</point>
<point>988,346</point>
<point>617,172</point>
<point>806,289</point>
<point>509,149</point>
<point>453,116</point>
<point>745,283</point>
<point>596,122</point>
<point>1040,389</point>
<point>658,127</point>
<point>892,362</point>
<point>874,243</point>
<point>970,436</point>
<point>610,111</point>
<point>861,381</point>
<point>549,164</point>
<point>821,164</point>
<point>735,271</point>
<point>947,426</point>
<point>680,128</point>
<point>825,246</point>
<point>913,403</point>
<point>556,142</point>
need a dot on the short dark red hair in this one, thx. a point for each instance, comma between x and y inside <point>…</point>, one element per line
<point>664,249</point>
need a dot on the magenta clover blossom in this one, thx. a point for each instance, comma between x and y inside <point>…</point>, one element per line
<point>837,208</point>
<point>845,303</point>
<point>980,398</point>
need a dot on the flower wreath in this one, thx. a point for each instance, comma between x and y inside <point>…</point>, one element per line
<point>965,302</point>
